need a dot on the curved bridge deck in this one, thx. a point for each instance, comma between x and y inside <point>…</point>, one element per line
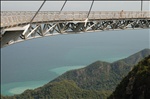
<point>12,19</point>
<point>15,26</point>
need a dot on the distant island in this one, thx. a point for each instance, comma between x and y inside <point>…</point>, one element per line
<point>96,81</point>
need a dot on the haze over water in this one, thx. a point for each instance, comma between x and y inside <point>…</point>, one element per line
<point>33,63</point>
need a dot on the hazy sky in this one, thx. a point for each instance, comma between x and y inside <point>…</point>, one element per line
<point>74,5</point>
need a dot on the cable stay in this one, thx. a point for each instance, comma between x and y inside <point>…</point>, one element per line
<point>141,5</point>
<point>28,26</point>
<point>90,9</point>
<point>37,11</point>
<point>63,6</point>
<point>88,13</point>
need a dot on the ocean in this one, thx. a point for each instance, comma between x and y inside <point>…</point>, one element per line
<point>33,63</point>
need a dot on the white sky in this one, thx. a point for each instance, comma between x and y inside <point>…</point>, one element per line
<point>75,5</point>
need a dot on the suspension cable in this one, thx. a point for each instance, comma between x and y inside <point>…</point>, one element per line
<point>61,9</point>
<point>90,9</point>
<point>86,20</point>
<point>40,9</point>
<point>37,11</point>
<point>58,14</point>
<point>63,6</point>
<point>141,5</point>
<point>42,6</point>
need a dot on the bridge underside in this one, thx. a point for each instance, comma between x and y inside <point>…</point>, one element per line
<point>21,33</point>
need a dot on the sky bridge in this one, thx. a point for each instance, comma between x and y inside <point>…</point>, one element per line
<point>17,18</point>
<point>17,26</point>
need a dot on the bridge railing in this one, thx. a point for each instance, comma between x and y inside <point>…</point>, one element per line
<point>9,18</point>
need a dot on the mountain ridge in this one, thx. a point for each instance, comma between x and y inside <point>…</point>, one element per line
<point>97,80</point>
<point>96,72</point>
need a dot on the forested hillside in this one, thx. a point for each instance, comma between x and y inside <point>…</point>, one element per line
<point>103,75</point>
<point>96,81</point>
<point>136,85</point>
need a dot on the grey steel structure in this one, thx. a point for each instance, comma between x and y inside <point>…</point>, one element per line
<point>16,26</point>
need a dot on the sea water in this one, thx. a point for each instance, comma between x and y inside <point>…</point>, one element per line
<point>33,63</point>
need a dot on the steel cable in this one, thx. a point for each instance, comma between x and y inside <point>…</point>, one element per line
<point>90,9</point>
<point>63,6</point>
<point>86,20</point>
<point>37,11</point>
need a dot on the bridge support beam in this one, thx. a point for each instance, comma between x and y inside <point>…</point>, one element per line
<point>14,35</point>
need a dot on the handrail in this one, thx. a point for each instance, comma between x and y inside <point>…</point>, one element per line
<point>9,18</point>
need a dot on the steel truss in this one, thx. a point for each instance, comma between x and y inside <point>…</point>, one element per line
<point>31,31</point>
